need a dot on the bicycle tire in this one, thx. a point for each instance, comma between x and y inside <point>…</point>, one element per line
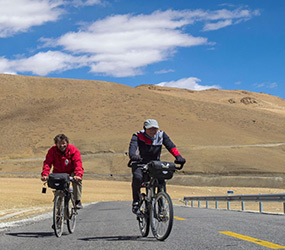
<point>143,217</point>
<point>161,216</point>
<point>58,215</point>
<point>70,212</point>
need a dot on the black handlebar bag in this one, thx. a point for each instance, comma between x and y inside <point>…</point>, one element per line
<point>58,181</point>
<point>161,169</point>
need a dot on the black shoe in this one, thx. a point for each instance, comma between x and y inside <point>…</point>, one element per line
<point>135,208</point>
<point>78,204</point>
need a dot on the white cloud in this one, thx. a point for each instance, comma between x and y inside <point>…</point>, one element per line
<point>121,45</point>
<point>78,3</point>
<point>118,45</point>
<point>164,71</point>
<point>188,83</point>
<point>272,85</point>
<point>238,13</point>
<point>125,32</point>
<point>269,85</point>
<point>42,63</point>
<point>259,85</point>
<point>5,66</point>
<point>217,25</point>
<point>124,64</point>
<point>20,15</point>
<point>224,18</point>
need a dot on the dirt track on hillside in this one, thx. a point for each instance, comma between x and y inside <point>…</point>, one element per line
<point>125,153</point>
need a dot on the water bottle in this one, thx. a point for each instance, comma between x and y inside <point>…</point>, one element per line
<point>70,189</point>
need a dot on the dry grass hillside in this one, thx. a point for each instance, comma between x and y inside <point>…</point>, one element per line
<point>221,133</point>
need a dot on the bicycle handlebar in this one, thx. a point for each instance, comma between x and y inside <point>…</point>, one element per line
<point>70,178</point>
<point>145,165</point>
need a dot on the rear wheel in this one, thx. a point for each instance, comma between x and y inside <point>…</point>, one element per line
<point>58,215</point>
<point>143,217</point>
<point>161,216</point>
<point>71,216</point>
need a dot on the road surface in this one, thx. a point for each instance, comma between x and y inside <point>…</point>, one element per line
<point>111,225</point>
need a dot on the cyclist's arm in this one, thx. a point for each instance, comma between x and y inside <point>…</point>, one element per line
<point>133,147</point>
<point>47,164</point>
<point>78,169</point>
<point>170,146</point>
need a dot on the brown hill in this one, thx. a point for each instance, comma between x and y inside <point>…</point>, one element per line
<point>220,132</point>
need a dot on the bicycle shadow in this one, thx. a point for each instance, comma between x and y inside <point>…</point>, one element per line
<point>32,234</point>
<point>117,238</point>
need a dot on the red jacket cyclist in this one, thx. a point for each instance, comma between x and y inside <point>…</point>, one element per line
<point>65,158</point>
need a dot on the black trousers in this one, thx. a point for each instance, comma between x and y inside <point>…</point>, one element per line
<point>138,179</point>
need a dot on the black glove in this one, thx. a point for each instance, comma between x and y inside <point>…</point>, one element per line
<point>136,158</point>
<point>180,159</point>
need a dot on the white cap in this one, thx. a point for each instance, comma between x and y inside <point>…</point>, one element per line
<point>150,123</point>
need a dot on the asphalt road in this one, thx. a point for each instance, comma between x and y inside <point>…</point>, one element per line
<point>111,225</point>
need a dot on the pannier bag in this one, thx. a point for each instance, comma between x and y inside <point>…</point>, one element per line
<point>161,169</point>
<point>58,181</point>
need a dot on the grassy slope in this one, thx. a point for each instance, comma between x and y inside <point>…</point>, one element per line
<point>100,117</point>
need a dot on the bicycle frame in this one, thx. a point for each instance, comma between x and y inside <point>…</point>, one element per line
<point>151,187</point>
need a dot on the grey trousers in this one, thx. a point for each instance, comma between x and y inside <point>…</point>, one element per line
<point>77,190</point>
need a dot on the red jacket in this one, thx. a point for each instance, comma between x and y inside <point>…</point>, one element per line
<point>67,162</point>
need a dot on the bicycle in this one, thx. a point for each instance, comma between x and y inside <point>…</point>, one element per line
<point>64,208</point>
<point>155,206</point>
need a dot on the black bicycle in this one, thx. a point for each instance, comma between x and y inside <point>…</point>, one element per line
<point>64,208</point>
<point>156,208</point>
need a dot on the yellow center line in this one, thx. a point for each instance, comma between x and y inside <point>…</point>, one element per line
<point>178,218</point>
<point>256,241</point>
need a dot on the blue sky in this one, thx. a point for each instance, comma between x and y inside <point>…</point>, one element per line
<point>194,44</point>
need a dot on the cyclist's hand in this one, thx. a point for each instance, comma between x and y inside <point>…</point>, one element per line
<point>77,178</point>
<point>136,158</point>
<point>180,159</point>
<point>44,178</point>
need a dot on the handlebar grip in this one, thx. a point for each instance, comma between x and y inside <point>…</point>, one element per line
<point>131,163</point>
<point>181,164</point>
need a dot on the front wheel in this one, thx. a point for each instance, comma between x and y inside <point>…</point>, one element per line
<point>71,215</point>
<point>161,216</point>
<point>143,216</point>
<point>58,215</point>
